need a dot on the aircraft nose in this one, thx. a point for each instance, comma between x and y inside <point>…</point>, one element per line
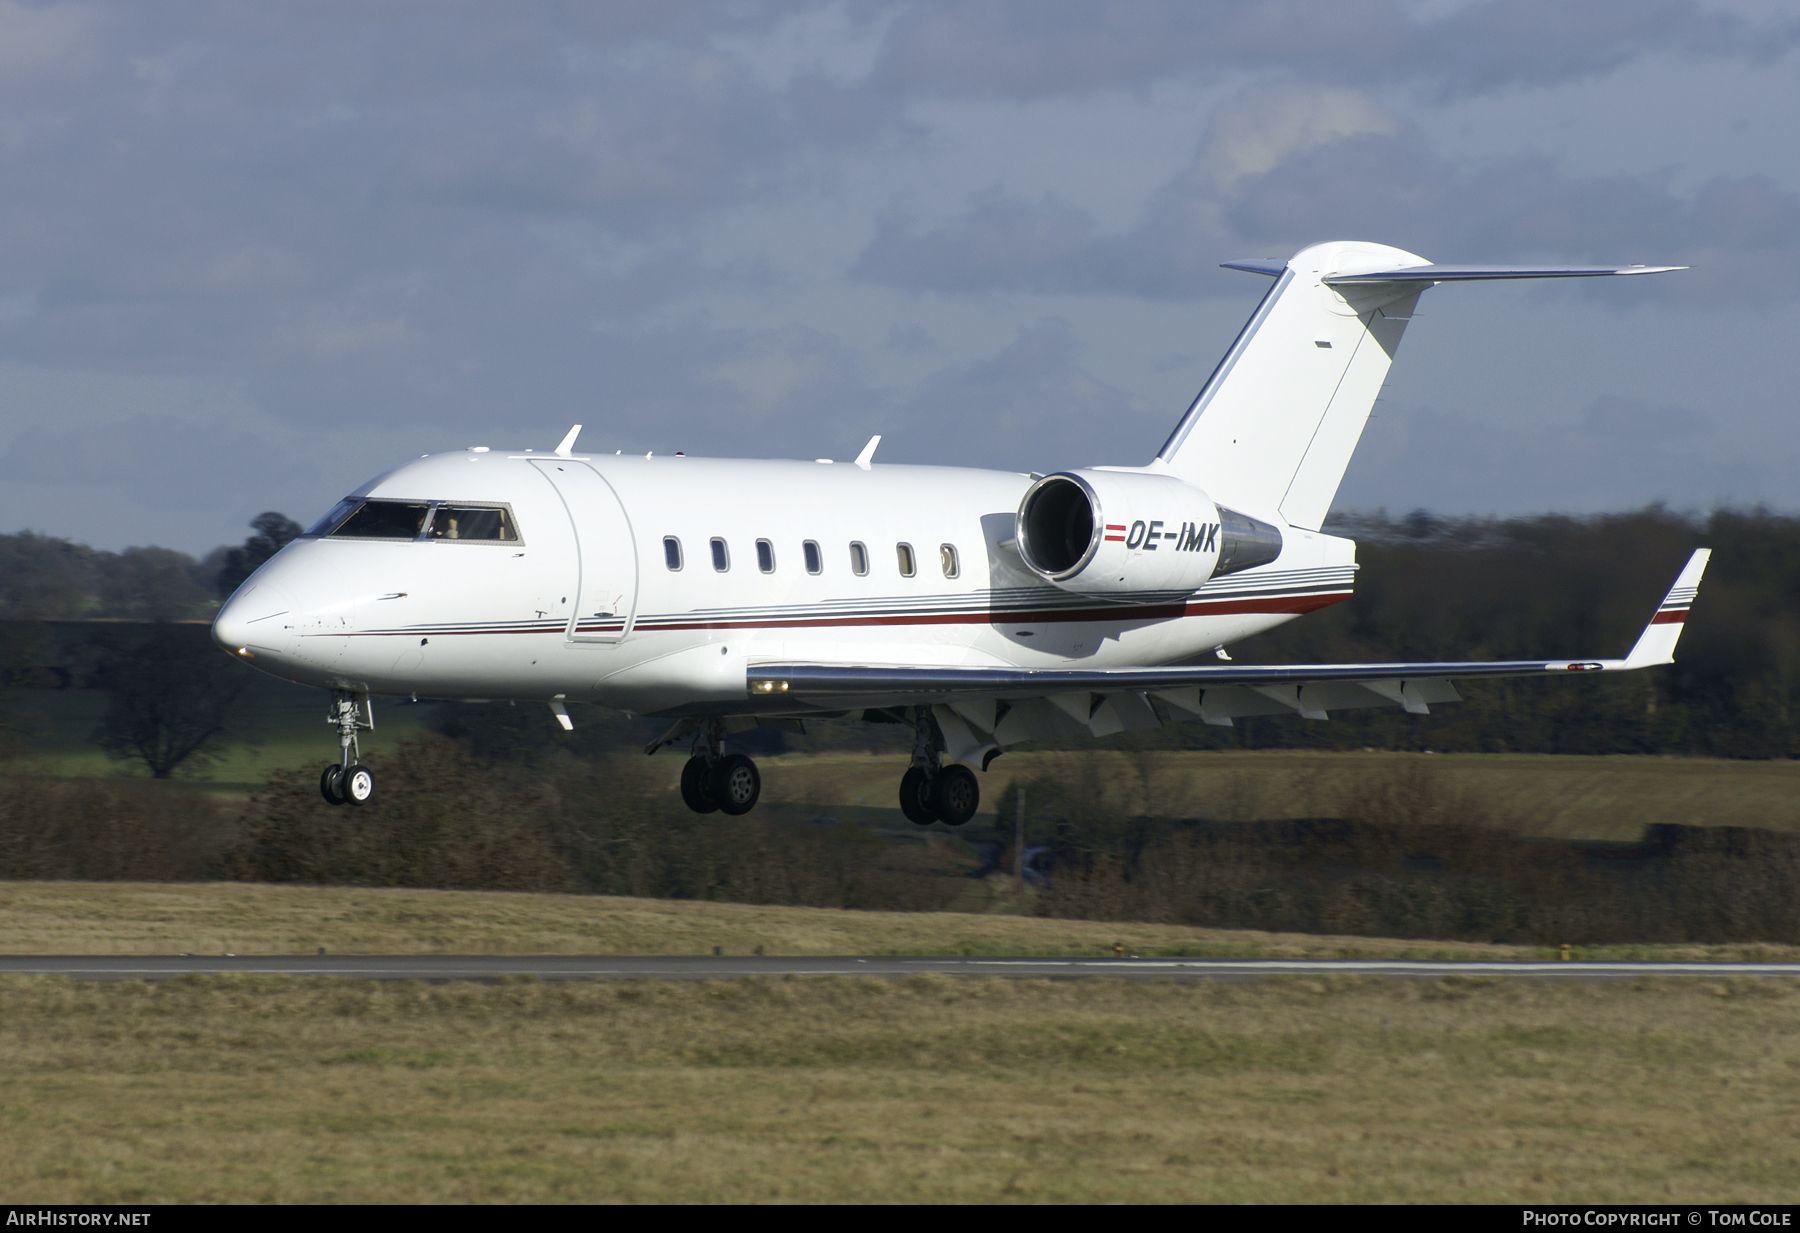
<point>251,621</point>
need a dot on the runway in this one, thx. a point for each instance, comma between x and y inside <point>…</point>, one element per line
<point>439,968</point>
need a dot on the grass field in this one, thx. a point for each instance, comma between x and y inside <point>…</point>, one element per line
<point>927,1089</point>
<point>829,1089</point>
<point>122,918</point>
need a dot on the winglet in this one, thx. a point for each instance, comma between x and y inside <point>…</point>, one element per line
<point>568,442</point>
<point>1657,643</point>
<point>868,454</point>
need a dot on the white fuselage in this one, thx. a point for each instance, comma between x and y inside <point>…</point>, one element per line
<point>583,603</point>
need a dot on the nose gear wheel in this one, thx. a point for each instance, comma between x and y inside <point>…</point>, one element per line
<point>357,785</point>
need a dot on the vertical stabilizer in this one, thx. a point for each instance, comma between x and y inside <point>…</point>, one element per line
<point>1274,428</point>
<point>1273,431</point>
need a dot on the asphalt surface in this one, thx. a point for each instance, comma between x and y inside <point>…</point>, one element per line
<point>708,967</point>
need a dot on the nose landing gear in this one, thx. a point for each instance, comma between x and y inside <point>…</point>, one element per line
<point>930,791</point>
<point>348,783</point>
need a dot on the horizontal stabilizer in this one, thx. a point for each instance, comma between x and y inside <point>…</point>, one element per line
<point>1475,273</point>
<point>1256,265</point>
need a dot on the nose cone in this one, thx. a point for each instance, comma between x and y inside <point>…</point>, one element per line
<point>254,621</point>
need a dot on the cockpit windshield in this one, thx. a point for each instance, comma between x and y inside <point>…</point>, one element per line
<point>359,518</point>
<point>384,520</point>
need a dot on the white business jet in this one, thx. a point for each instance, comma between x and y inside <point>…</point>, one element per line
<point>978,608</point>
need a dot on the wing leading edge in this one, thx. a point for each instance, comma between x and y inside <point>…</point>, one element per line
<point>1016,704</point>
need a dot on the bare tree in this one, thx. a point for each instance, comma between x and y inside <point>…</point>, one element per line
<point>175,700</point>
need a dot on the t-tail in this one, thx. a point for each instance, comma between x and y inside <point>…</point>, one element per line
<point>1273,430</point>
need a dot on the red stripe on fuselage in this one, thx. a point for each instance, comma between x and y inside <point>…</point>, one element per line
<point>1146,612</point>
<point>1280,604</point>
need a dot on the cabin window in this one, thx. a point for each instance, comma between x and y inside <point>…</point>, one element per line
<point>721,556</point>
<point>859,560</point>
<point>947,554</point>
<point>908,567</point>
<point>765,556</point>
<point>381,520</point>
<point>491,524</point>
<point>672,552</point>
<point>815,561</point>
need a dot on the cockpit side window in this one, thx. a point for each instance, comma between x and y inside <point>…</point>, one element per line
<point>491,524</point>
<point>381,520</point>
<point>330,522</point>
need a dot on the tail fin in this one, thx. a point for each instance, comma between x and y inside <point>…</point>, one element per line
<point>1273,430</point>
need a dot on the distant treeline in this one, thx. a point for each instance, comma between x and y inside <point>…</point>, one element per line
<point>1485,588</point>
<point>43,578</point>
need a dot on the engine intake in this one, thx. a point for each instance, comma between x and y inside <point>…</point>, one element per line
<point>1128,532</point>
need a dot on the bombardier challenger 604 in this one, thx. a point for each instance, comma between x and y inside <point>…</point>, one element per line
<point>978,608</point>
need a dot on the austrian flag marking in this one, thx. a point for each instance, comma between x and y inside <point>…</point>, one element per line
<point>1115,532</point>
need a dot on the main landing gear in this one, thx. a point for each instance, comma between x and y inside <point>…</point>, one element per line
<point>714,780</point>
<point>930,791</point>
<point>348,783</point>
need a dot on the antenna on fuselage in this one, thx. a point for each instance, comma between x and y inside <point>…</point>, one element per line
<point>868,455</point>
<point>568,442</point>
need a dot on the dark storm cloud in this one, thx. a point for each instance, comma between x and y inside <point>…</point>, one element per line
<point>997,47</point>
<point>421,206</point>
<point>231,150</point>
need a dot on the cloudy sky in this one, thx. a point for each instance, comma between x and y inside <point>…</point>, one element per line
<point>252,254</point>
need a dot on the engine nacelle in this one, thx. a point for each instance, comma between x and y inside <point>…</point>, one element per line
<point>1127,532</point>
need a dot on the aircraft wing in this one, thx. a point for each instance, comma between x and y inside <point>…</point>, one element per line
<point>1020,703</point>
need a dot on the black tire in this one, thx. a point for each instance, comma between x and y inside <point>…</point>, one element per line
<point>696,786</point>
<point>957,795</point>
<point>358,785</point>
<point>915,798</point>
<point>736,784</point>
<point>330,785</point>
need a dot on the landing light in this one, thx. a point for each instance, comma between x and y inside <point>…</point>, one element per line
<point>245,652</point>
<point>769,687</point>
